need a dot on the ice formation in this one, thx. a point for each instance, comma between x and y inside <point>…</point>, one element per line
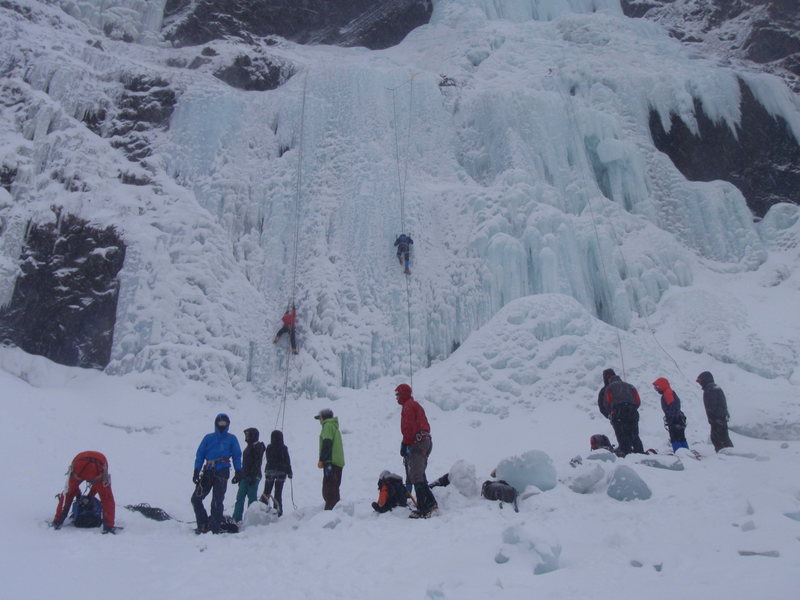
<point>530,468</point>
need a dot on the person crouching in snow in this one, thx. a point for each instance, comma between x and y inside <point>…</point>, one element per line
<point>674,419</point>
<point>251,472</point>
<point>279,467</point>
<point>92,467</point>
<point>214,455</point>
<point>391,492</point>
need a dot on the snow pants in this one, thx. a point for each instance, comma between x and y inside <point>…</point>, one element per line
<point>248,488</point>
<point>88,466</point>
<point>290,330</point>
<point>416,463</point>
<point>330,487</point>
<point>677,432</point>
<point>216,483</point>
<point>719,434</point>
<point>625,421</point>
<point>277,478</point>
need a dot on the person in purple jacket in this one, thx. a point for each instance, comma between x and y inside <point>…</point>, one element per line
<point>212,467</point>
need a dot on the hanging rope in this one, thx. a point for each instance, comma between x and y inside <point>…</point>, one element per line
<point>402,181</point>
<point>281,418</point>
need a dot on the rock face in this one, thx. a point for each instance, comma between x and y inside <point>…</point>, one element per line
<point>372,23</point>
<point>764,31</point>
<point>762,159</point>
<point>65,298</point>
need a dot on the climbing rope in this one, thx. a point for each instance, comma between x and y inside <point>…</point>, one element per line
<point>402,181</point>
<point>281,418</point>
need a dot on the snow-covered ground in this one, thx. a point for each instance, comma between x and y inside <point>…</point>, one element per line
<point>552,241</point>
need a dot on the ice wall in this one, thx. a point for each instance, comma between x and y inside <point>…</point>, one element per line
<point>128,20</point>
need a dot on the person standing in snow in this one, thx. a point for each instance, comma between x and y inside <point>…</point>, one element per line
<point>403,244</point>
<point>716,410</point>
<point>415,448</point>
<point>331,457</point>
<point>92,467</point>
<point>621,405</point>
<point>251,472</point>
<point>279,467</point>
<point>214,456</point>
<point>289,318</point>
<point>674,419</point>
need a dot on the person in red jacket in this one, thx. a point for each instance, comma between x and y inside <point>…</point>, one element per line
<point>415,449</point>
<point>92,467</point>
<point>289,318</point>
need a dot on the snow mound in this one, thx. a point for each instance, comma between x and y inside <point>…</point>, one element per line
<point>520,542</point>
<point>531,468</point>
<point>258,514</point>
<point>625,485</point>
<point>586,480</point>
<point>462,477</point>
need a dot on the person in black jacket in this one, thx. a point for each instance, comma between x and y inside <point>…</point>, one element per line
<point>716,411</point>
<point>251,472</point>
<point>279,467</point>
<point>619,401</point>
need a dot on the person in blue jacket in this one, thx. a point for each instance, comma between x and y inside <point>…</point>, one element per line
<point>212,466</point>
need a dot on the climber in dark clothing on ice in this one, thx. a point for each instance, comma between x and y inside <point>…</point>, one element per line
<point>619,402</point>
<point>716,410</point>
<point>289,318</point>
<point>403,244</point>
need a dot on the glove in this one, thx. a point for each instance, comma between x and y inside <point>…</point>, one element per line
<point>320,464</point>
<point>328,472</point>
<point>109,529</point>
<point>403,449</point>
<point>237,477</point>
<point>196,476</point>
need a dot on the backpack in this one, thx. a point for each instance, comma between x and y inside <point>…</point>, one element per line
<point>500,490</point>
<point>599,441</point>
<point>87,512</point>
<point>398,495</point>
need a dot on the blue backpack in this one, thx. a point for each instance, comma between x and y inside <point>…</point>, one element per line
<point>87,512</point>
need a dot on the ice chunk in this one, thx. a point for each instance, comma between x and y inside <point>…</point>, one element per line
<point>520,541</point>
<point>462,477</point>
<point>530,468</point>
<point>587,479</point>
<point>625,484</point>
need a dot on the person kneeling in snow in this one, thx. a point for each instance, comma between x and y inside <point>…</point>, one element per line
<point>392,492</point>
<point>91,467</point>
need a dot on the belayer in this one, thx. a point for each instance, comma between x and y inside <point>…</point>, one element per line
<point>279,467</point>
<point>415,448</point>
<point>619,401</point>
<point>403,244</point>
<point>214,456</point>
<point>331,457</point>
<point>91,467</point>
<point>674,419</point>
<point>289,319</point>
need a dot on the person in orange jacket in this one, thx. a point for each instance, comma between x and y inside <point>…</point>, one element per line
<point>92,467</point>
<point>289,318</point>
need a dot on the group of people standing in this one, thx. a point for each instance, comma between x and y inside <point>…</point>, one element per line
<point>619,402</point>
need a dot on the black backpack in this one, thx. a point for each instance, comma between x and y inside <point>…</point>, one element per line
<point>500,490</point>
<point>398,495</point>
<point>598,441</point>
<point>87,512</point>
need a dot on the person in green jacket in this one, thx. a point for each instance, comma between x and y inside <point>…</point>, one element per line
<point>331,457</point>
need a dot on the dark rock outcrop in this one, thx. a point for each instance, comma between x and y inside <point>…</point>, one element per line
<point>372,23</point>
<point>762,159</point>
<point>254,73</point>
<point>64,302</point>
<point>764,31</point>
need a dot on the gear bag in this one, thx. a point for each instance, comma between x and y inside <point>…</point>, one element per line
<point>87,512</point>
<point>500,490</point>
<point>598,441</point>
